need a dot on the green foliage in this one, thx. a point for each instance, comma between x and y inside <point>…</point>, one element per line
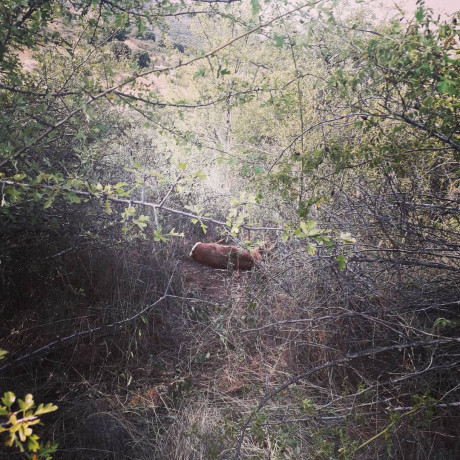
<point>142,59</point>
<point>121,35</point>
<point>22,24</point>
<point>348,447</point>
<point>342,260</point>
<point>120,50</point>
<point>308,406</point>
<point>426,403</point>
<point>411,76</point>
<point>16,423</point>
<point>258,430</point>
<point>255,6</point>
<point>444,323</point>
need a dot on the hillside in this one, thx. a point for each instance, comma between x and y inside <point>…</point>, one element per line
<point>318,144</point>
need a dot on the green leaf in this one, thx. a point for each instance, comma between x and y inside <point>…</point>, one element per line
<point>447,86</point>
<point>311,249</point>
<point>130,211</point>
<point>342,260</point>
<point>174,233</point>
<point>298,233</point>
<point>200,73</point>
<point>107,207</point>
<point>158,236</point>
<point>73,198</point>
<point>199,174</point>
<point>48,202</point>
<point>255,7</point>
<point>308,226</point>
<point>141,221</point>
<point>443,322</point>
<point>27,404</point>
<point>3,353</point>
<point>278,41</point>
<point>419,14</point>
<point>347,238</point>
<point>19,177</point>
<point>14,194</point>
<point>8,398</point>
<point>33,445</point>
<point>45,451</point>
<point>45,409</point>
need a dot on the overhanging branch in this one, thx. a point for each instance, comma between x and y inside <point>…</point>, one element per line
<point>161,70</point>
<point>155,206</point>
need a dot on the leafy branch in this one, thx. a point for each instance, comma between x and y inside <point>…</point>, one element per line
<point>16,424</point>
<point>106,197</point>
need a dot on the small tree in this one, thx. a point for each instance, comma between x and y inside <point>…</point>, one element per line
<point>120,50</point>
<point>142,59</point>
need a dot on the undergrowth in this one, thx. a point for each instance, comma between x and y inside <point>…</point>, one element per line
<point>298,359</point>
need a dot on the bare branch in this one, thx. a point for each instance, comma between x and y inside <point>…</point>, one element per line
<point>348,357</point>
<point>71,338</point>
<point>163,201</point>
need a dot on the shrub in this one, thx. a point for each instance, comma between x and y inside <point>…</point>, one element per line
<point>121,35</point>
<point>148,35</point>
<point>120,50</point>
<point>179,47</point>
<point>142,59</point>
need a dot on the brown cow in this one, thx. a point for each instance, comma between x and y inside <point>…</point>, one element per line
<point>217,256</point>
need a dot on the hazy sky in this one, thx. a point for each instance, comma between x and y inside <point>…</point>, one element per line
<point>439,6</point>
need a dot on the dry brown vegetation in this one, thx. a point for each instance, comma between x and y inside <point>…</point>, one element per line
<point>345,347</point>
<point>323,354</point>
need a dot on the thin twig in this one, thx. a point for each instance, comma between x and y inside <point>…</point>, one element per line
<point>71,338</point>
<point>170,190</point>
<point>348,357</point>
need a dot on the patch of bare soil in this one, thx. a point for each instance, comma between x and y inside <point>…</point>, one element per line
<point>28,63</point>
<point>207,283</point>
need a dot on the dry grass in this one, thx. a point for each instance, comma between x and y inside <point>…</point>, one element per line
<point>182,382</point>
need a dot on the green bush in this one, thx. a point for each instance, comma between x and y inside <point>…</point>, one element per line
<point>142,59</point>
<point>121,35</point>
<point>148,35</point>
<point>120,50</point>
<point>179,47</point>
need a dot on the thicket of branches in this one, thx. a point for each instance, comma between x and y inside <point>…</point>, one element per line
<point>331,135</point>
